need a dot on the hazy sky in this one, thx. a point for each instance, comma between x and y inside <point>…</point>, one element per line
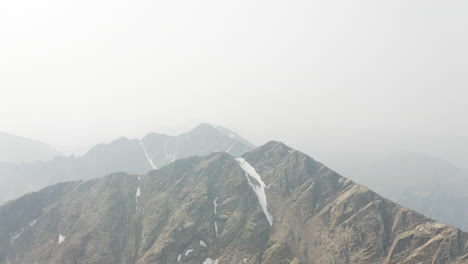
<point>326,77</point>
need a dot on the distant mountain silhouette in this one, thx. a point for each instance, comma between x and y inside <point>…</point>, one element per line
<point>121,155</point>
<point>15,149</point>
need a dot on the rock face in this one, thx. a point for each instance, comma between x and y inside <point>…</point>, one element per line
<point>215,209</point>
<point>132,156</point>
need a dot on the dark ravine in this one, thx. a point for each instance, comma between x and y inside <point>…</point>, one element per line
<point>207,210</point>
<point>120,155</point>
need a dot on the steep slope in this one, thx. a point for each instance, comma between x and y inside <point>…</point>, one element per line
<point>427,184</point>
<point>16,149</point>
<point>272,205</point>
<point>121,155</point>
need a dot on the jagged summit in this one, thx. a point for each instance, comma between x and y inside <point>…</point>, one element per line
<point>271,205</point>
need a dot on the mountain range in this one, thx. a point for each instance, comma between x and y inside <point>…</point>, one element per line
<point>273,204</point>
<point>122,155</point>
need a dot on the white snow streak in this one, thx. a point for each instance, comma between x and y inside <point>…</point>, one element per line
<point>178,258</point>
<point>259,190</point>
<point>210,261</point>
<point>188,252</point>
<point>147,156</point>
<point>216,212</point>
<point>61,239</point>
<point>343,181</point>
<point>215,204</point>
<point>138,193</point>
<point>202,243</point>
<point>16,236</point>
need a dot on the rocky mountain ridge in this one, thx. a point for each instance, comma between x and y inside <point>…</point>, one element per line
<point>271,205</point>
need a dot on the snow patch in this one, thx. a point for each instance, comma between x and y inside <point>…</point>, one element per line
<point>342,180</point>
<point>188,252</point>
<point>147,156</point>
<point>16,236</point>
<point>215,205</point>
<point>259,190</point>
<point>61,239</point>
<point>32,223</point>
<point>138,193</point>
<point>202,243</point>
<point>178,258</point>
<point>210,261</point>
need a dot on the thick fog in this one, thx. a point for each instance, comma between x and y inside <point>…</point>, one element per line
<point>339,80</point>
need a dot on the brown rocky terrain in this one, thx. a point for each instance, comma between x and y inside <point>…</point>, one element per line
<point>274,205</point>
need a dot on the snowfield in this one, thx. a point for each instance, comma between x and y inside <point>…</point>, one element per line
<point>259,190</point>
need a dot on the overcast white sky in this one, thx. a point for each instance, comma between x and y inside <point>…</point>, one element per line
<point>322,76</point>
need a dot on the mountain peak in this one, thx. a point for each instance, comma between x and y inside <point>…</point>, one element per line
<point>206,127</point>
<point>272,205</point>
<point>278,145</point>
